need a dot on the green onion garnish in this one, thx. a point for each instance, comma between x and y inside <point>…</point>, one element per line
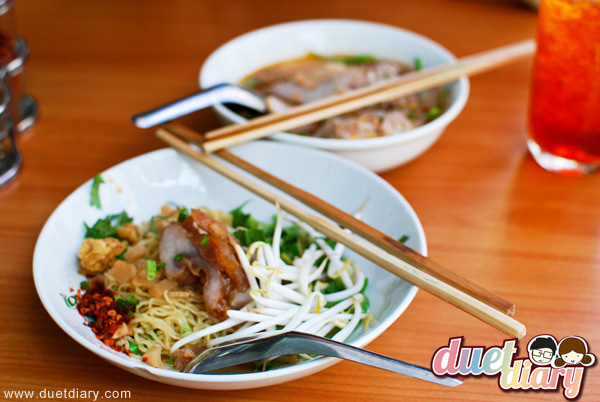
<point>178,257</point>
<point>204,241</point>
<point>348,60</point>
<point>151,270</point>
<point>153,225</point>
<point>418,64</point>
<point>133,348</point>
<point>433,112</point>
<point>85,285</point>
<point>185,330</point>
<point>95,195</point>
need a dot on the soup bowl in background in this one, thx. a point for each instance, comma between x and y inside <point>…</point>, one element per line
<point>257,49</point>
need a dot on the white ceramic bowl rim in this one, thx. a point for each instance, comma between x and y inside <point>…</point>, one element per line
<point>355,144</point>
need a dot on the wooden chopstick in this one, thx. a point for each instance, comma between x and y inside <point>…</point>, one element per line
<point>380,239</point>
<point>387,90</point>
<point>380,257</point>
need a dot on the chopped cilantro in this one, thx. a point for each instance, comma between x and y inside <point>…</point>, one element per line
<point>128,303</point>
<point>364,288</point>
<point>332,303</point>
<point>95,195</point>
<point>335,285</point>
<point>242,220</point>
<point>85,285</point>
<point>183,213</point>
<point>178,257</point>
<point>204,241</point>
<point>249,236</point>
<point>294,239</point>
<point>122,255</point>
<point>365,304</point>
<point>108,226</point>
<point>404,238</point>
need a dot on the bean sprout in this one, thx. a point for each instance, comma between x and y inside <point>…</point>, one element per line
<point>294,296</point>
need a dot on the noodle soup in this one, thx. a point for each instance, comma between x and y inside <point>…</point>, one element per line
<point>164,291</point>
<point>315,77</point>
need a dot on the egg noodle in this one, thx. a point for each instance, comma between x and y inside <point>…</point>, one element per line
<point>161,321</point>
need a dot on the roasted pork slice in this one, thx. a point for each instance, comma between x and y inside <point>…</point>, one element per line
<point>219,249</point>
<point>179,254</point>
<point>200,250</point>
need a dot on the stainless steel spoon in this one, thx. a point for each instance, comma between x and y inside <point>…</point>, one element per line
<point>290,343</point>
<point>221,93</point>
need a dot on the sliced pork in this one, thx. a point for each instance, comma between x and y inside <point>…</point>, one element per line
<point>218,250</point>
<point>200,251</point>
<point>175,241</point>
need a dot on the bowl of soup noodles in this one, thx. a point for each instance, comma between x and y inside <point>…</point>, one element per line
<point>304,61</point>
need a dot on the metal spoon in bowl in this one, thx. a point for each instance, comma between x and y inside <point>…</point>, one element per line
<point>221,93</point>
<point>290,343</point>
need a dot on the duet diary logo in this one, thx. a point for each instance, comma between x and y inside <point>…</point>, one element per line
<point>550,364</point>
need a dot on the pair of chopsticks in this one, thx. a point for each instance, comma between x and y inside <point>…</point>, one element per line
<point>377,247</point>
<point>384,91</point>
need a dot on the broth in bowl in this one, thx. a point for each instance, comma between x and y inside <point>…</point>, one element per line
<point>315,76</point>
<point>238,59</point>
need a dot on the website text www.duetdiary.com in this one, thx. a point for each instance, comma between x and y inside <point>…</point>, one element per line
<point>72,393</point>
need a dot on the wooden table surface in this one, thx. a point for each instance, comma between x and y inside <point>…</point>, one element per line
<point>489,212</point>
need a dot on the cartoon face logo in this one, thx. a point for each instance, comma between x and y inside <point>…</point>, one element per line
<point>573,350</point>
<point>542,349</point>
<point>572,357</point>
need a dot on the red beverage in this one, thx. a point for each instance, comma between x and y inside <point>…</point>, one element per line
<point>564,119</point>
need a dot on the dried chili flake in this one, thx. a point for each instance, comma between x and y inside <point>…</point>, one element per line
<point>103,312</point>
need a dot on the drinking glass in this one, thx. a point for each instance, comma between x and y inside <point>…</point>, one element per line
<point>564,111</point>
